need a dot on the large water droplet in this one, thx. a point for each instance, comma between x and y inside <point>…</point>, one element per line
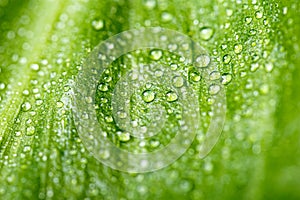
<point>123,136</point>
<point>148,96</point>
<point>30,131</point>
<point>226,59</point>
<point>206,33</point>
<point>103,87</point>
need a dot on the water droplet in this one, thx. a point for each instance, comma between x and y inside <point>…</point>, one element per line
<point>154,143</point>
<point>206,33</point>
<point>148,96</point>
<point>174,66</point>
<point>102,87</point>
<point>248,20</point>
<point>59,104</point>
<point>34,67</point>
<point>26,106</point>
<point>98,24</point>
<point>269,67</point>
<point>252,32</point>
<point>254,67</point>
<point>171,96</point>
<point>178,81</point>
<point>30,131</point>
<point>156,54</point>
<point>123,136</point>
<point>150,4</point>
<point>264,89</point>
<point>214,89</point>
<point>226,78</point>
<point>2,86</point>
<point>166,17</point>
<point>202,61</point>
<point>238,48</point>
<point>122,114</point>
<point>226,59</point>
<point>109,119</point>
<point>27,148</point>
<point>215,75</point>
<point>25,92</point>
<point>194,76</point>
<point>284,10</point>
<point>158,73</point>
<point>258,15</point>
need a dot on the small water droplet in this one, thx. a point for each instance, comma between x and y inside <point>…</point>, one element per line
<point>284,10</point>
<point>226,59</point>
<point>148,96</point>
<point>154,143</point>
<point>30,130</point>
<point>206,33</point>
<point>166,17</point>
<point>34,67</point>
<point>259,15</point>
<point>238,48</point>
<point>248,20</point>
<point>109,119</point>
<point>98,24</point>
<point>174,66</point>
<point>103,87</point>
<point>26,106</point>
<point>254,67</point>
<point>122,114</point>
<point>27,148</point>
<point>178,81</point>
<point>123,136</point>
<point>156,54</point>
<point>171,96</point>
<point>150,4</point>
<point>194,76</point>
<point>226,78</point>
<point>59,104</point>
<point>269,67</point>
<point>214,89</point>
<point>215,75</point>
<point>2,86</point>
<point>264,89</point>
<point>202,61</point>
<point>252,32</point>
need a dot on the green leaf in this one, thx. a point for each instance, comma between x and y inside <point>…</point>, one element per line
<point>255,46</point>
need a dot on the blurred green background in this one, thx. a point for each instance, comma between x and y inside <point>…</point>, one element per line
<point>256,47</point>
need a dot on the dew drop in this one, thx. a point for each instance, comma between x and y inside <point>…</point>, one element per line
<point>98,24</point>
<point>166,17</point>
<point>214,89</point>
<point>174,66</point>
<point>102,87</point>
<point>156,54</point>
<point>30,131</point>
<point>150,4</point>
<point>248,20</point>
<point>34,67</point>
<point>109,119</point>
<point>215,75</point>
<point>27,148</point>
<point>226,78</point>
<point>238,48</point>
<point>226,59</point>
<point>178,81</point>
<point>202,61</point>
<point>254,67</point>
<point>269,67</point>
<point>148,96</point>
<point>2,86</point>
<point>124,136</point>
<point>206,33</point>
<point>59,104</point>
<point>194,76</point>
<point>26,106</point>
<point>122,114</point>
<point>171,96</point>
<point>258,15</point>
